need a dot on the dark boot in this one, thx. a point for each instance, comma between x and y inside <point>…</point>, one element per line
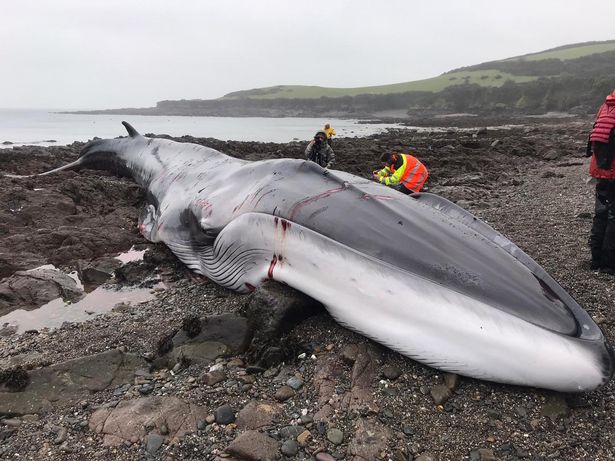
<point>596,260</point>
<point>608,261</point>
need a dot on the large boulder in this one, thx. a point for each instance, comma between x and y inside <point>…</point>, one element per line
<point>31,289</point>
<point>133,420</point>
<point>71,381</point>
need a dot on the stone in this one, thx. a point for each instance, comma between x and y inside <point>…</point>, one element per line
<point>335,436</point>
<point>349,353</point>
<point>284,393</point>
<point>198,352</point>
<point>228,329</point>
<point>370,439</point>
<point>71,381</point>
<point>391,372</point>
<point>323,456</point>
<point>225,414</point>
<point>253,445</point>
<point>153,442</point>
<point>290,432</point>
<point>134,419</point>
<point>275,308</point>
<point>289,448</point>
<point>440,394</point>
<point>555,407</point>
<point>31,289</point>
<point>213,377</point>
<point>257,414</point>
<point>451,380</point>
<point>100,270</point>
<point>295,382</point>
<point>426,457</point>
<point>364,374</point>
<point>304,437</point>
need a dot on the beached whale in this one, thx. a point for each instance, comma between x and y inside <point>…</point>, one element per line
<point>418,274</point>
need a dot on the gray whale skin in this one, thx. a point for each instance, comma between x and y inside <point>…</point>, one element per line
<point>415,273</point>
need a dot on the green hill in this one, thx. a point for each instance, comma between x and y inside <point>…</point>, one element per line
<point>520,69</point>
<point>572,78</point>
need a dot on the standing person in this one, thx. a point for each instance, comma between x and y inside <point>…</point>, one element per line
<point>601,147</point>
<point>319,151</point>
<point>402,171</point>
<point>330,132</point>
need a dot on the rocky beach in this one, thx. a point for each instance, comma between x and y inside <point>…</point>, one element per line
<point>200,372</point>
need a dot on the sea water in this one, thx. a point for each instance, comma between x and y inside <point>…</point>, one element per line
<point>48,128</point>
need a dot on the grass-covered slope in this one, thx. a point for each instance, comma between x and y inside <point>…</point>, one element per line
<point>553,63</point>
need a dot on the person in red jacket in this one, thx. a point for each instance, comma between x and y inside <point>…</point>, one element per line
<point>601,147</point>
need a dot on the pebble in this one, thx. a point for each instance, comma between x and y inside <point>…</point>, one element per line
<point>306,419</point>
<point>225,414</point>
<point>391,372</point>
<point>290,432</point>
<point>146,389</point>
<point>335,436</point>
<point>60,436</point>
<point>284,393</point>
<point>289,448</point>
<point>295,382</point>
<point>153,442</point>
<point>322,456</point>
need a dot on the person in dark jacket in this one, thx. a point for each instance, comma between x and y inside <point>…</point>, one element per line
<point>319,151</point>
<point>601,147</point>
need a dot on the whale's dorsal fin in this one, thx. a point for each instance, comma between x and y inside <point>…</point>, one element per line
<point>131,131</point>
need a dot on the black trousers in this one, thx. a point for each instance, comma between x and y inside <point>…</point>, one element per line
<point>602,237</point>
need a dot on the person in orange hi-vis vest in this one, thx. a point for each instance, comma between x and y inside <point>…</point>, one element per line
<point>404,172</point>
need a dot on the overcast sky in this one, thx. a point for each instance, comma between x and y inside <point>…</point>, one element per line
<point>95,54</point>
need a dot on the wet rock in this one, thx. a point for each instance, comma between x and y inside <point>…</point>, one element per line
<point>252,445</point>
<point>197,353</point>
<point>133,419</point>
<point>14,379</point>
<point>31,289</point>
<point>219,335</point>
<point>8,330</point>
<point>99,271</point>
<point>257,414</point>
<point>70,381</point>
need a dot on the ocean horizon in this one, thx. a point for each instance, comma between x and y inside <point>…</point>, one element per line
<point>48,128</point>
